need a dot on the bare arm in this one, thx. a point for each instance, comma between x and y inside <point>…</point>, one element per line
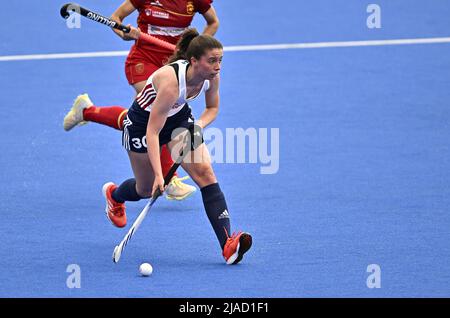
<point>212,22</point>
<point>125,9</point>
<point>166,96</point>
<point>212,103</point>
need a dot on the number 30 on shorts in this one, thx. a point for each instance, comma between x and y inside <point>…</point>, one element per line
<point>138,144</point>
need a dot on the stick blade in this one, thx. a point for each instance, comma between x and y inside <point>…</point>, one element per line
<point>64,12</point>
<point>69,7</point>
<point>116,254</point>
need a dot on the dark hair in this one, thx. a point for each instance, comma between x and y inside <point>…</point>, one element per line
<point>192,44</point>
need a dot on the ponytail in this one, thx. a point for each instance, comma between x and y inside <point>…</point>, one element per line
<point>192,44</point>
<point>183,45</point>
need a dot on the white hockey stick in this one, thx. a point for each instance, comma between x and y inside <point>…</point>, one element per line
<point>119,248</point>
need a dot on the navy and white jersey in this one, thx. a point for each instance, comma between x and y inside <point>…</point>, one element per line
<point>180,116</point>
<point>147,96</point>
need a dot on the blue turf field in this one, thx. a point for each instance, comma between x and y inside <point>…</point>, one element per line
<point>364,173</point>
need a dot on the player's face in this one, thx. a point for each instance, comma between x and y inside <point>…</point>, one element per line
<point>210,62</point>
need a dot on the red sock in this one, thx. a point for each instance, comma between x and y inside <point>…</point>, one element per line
<point>166,160</point>
<point>111,116</point>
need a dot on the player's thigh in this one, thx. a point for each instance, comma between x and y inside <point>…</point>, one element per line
<point>143,173</point>
<point>197,163</point>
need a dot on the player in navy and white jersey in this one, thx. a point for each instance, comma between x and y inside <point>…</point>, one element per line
<point>153,120</point>
<point>163,19</point>
<point>179,115</point>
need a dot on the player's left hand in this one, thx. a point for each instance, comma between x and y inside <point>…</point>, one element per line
<point>158,184</point>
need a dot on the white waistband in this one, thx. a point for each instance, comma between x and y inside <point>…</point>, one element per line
<point>165,31</point>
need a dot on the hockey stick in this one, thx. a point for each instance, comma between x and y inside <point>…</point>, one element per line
<point>73,7</point>
<point>119,248</point>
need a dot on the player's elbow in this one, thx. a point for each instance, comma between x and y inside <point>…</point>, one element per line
<point>215,23</point>
<point>213,110</point>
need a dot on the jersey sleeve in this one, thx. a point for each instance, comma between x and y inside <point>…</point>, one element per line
<point>201,6</point>
<point>137,3</point>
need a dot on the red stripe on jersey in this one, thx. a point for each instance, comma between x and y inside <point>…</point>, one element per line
<point>145,95</point>
<point>148,101</point>
<point>144,91</point>
<point>146,98</point>
<point>152,99</point>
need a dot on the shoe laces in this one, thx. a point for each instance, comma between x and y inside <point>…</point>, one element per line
<point>117,209</point>
<point>233,236</point>
<point>177,181</point>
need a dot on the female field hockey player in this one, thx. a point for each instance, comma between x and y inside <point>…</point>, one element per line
<point>163,19</point>
<point>156,115</point>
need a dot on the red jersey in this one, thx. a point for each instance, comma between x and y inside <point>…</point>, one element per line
<point>166,19</point>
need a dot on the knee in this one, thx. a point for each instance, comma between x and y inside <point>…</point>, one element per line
<point>205,174</point>
<point>144,191</point>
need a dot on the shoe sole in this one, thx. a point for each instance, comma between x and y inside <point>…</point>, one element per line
<point>175,198</point>
<point>245,242</point>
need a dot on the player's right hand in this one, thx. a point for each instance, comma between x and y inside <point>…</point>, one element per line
<point>132,35</point>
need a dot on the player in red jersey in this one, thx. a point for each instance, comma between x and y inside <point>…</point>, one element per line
<point>166,20</point>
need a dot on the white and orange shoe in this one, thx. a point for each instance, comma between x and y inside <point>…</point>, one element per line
<point>115,211</point>
<point>236,246</point>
